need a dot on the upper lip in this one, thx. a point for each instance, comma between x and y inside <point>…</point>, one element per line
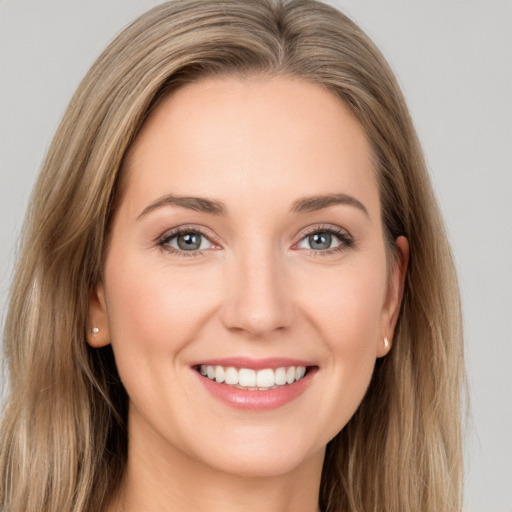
<point>254,364</point>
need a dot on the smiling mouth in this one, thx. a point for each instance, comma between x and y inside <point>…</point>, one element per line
<point>253,380</point>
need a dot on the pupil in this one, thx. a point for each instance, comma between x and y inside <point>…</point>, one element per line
<point>189,241</point>
<point>320,241</point>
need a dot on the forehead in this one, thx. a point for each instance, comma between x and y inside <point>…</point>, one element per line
<point>244,139</point>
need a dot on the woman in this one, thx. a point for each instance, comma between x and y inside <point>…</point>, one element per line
<point>241,294</point>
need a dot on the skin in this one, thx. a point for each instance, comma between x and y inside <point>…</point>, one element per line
<point>257,289</point>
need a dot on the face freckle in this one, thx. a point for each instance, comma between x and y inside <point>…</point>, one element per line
<point>248,237</point>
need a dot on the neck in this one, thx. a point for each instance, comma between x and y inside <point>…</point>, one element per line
<point>166,480</point>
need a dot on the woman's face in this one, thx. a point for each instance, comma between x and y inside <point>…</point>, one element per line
<point>248,245</point>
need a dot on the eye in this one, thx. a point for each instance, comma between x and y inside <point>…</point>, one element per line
<point>326,240</point>
<point>186,240</point>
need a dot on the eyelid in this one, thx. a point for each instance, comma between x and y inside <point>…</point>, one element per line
<point>345,237</point>
<point>168,235</point>
<point>313,228</point>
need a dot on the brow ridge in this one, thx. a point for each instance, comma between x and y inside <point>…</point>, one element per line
<point>199,204</point>
<point>215,207</point>
<point>313,203</point>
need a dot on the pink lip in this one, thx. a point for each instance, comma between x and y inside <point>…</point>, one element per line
<point>254,364</point>
<point>257,400</point>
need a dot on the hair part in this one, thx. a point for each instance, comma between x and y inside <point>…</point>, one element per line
<point>64,439</point>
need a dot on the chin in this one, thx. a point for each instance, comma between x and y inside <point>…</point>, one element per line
<point>262,465</point>
<point>261,455</point>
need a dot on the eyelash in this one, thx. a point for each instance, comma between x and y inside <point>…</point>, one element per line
<point>184,230</point>
<point>347,241</point>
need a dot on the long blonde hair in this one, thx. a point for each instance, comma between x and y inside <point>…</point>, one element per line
<point>63,436</point>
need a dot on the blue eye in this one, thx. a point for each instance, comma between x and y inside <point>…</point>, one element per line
<point>325,240</point>
<point>186,241</point>
<point>190,242</point>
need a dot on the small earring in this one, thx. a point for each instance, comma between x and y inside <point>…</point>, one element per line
<point>386,342</point>
<point>95,330</point>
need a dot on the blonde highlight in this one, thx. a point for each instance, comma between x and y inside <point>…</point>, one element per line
<point>63,441</point>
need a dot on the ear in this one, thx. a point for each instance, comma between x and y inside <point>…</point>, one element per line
<point>98,333</point>
<point>394,295</point>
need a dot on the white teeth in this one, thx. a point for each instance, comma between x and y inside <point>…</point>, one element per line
<point>231,376</point>
<point>265,378</point>
<point>300,372</point>
<point>280,377</point>
<point>247,378</point>
<point>219,374</point>
<point>290,375</point>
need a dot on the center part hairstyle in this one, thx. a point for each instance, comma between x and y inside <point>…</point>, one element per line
<point>64,431</point>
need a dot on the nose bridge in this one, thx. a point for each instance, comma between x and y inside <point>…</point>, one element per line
<point>258,299</point>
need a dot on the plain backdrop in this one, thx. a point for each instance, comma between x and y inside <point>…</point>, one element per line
<point>453,59</point>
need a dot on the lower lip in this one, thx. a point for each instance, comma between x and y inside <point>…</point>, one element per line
<point>257,400</point>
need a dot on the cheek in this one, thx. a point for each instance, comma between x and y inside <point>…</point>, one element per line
<point>352,318</point>
<point>157,308</point>
<point>347,315</point>
<point>346,305</point>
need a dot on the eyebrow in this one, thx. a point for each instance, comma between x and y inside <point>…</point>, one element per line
<point>214,207</point>
<point>198,204</point>
<point>313,203</point>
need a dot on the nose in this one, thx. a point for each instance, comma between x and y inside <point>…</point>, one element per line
<point>258,298</point>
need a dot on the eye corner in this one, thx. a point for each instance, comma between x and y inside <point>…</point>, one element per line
<point>203,242</point>
<point>331,233</point>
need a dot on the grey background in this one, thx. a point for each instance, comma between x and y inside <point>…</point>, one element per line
<point>453,59</point>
